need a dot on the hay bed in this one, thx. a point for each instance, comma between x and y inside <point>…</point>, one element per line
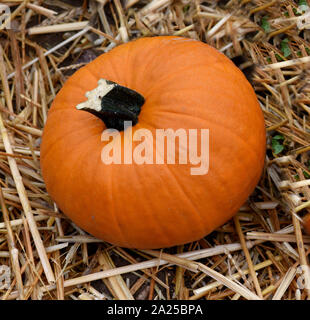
<point>253,256</point>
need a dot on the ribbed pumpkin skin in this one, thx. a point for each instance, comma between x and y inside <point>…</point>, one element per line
<point>186,84</point>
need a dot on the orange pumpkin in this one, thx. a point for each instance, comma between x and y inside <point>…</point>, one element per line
<point>182,83</point>
<point>307,223</point>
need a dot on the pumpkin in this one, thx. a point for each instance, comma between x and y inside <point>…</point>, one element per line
<point>307,223</point>
<point>160,83</point>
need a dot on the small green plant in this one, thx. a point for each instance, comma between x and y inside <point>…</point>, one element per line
<point>285,48</point>
<point>277,144</point>
<point>265,24</point>
<point>303,5</point>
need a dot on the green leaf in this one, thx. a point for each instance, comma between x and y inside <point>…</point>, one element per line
<point>285,48</point>
<point>277,148</point>
<point>297,12</point>
<point>276,144</point>
<point>306,174</point>
<point>303,5</point>
<point>278,137</point>
<point>265,24</point>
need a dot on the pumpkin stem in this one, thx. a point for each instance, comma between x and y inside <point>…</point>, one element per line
<point>113,104</point>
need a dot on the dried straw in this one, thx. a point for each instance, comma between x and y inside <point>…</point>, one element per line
<point>262,253</point>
